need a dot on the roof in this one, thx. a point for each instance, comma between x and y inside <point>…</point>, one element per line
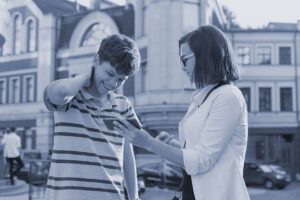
<point>282,26</point>
<point>59,7</point>
<point>272,27</point>
<point>122,15</point>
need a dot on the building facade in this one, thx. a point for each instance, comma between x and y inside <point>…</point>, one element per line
<point>269,60</point>
<point>43,41</point>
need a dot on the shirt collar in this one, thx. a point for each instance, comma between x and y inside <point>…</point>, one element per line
<point>111,96</point>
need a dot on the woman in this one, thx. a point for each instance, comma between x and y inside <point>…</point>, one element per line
<point>213,133</point>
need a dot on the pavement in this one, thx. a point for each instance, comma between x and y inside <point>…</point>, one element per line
<point>291,192</point>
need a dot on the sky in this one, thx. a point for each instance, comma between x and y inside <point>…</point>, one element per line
<point>256,13</point>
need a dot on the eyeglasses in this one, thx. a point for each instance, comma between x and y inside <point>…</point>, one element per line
<point>185,58</point>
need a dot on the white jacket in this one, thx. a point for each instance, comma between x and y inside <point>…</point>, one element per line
<point>216,134</point>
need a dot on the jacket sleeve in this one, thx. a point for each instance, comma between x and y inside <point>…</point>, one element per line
<point>217,132</point>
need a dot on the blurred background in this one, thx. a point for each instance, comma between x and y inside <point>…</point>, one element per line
<point>45,40</point>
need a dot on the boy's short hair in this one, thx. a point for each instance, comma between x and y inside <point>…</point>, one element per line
<point>12,129</point>
<point>215,61</point>
<point>121,52</point>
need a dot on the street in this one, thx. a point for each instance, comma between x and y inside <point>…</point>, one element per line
<point>291,192</point>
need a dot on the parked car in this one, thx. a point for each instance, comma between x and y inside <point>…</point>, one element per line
<point>161,174</point>
<point>270,176</point>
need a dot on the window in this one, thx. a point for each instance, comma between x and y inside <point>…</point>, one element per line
<point>285,56</point>
<point>247,96</point>
<point>144,19</point>
<point>14,90</point>
<point>28,89</point>
<point>286,101</point>
<point>95,34</point>
<point>2,91</point>
<point>264,55</point>
<point>265,103</point>
<point>17,35</point>
<point>31,36</point>
<point>243,55</point>
<point>143,76</point>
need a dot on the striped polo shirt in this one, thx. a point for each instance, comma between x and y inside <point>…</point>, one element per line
<point>87,158</point>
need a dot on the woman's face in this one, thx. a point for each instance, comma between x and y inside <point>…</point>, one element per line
<point>187,58</point>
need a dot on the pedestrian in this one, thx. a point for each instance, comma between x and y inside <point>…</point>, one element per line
<point>12,146</point>
<point>89,161</point>
<point>213,133</point>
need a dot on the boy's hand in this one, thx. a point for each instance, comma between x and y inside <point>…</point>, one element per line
<point>86,77</point>
<point>137,137</point>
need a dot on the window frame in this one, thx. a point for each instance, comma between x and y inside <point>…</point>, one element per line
<point>291,55</point>
<point>271,99</point>
<point>250,54</point>
<point>264,45</point>
<point>24,93</point>
<point>280,99</point>
<point>5,91</point>
<point>15,35</point>
<point>11,101</point>
<point>27,36</point>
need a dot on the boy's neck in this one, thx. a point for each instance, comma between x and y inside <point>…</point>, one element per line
<point>92,90</point>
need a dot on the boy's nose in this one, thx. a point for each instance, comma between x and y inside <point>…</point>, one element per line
<point>113,83</point>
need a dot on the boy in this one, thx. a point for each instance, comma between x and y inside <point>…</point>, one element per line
<point>88,159</point>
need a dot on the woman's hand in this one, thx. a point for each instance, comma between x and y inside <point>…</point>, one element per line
<point>166,138</point>
<point>138,137</point>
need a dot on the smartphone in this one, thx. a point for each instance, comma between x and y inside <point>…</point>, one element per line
<point>109,123</point>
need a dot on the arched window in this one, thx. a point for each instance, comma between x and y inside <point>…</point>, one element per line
<point>17,35</point>
<point>31,36</point>
<point>95,33</point>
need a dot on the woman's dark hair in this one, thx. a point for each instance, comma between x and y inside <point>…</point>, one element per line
<point>121,52</point>
<point>213,54</point>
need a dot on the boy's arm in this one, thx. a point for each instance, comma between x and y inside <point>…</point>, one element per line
<point>59,91</point>
<point>130,175</point>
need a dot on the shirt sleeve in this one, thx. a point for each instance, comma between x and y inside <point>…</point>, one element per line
<point>51,106</point>
<point>130,114</point>
<point>19,142</point>
<point>3,141</point>
<point>219,127</point>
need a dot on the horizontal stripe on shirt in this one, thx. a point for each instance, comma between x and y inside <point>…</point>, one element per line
<point>68,134</point>
<point>84,163</point>
<point>132,115</point>
<point>84,154</point>
<point>83,188</point>
<point>76,125</point>
<point>105,110</point>
<point>89,107</point>
<point>83,180</point>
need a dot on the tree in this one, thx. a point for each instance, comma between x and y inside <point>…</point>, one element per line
<point>230,18</point>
